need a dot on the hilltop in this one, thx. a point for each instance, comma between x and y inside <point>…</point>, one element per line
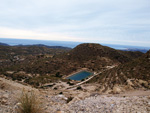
<point>88,51</point>
<point>3,44</point>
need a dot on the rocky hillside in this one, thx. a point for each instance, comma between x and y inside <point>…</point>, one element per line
<point>73,100</point>
<point>91,56</point>
<point>132,75</point>
<point>8,52</point>
<point>89,51</point>
<point>20,54</point>
<point>94,57</point>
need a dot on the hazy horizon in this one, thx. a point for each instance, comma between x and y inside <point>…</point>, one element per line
<point>123,22</point>
<point>70,44</point>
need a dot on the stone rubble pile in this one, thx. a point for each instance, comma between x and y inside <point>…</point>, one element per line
<point>106,104</point>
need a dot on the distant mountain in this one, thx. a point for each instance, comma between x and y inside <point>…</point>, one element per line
<point>131,75</point>
<point>39,45</point>
<point>3,44</point>
<point>8,52</point>
<point>141,50</point>
<point>42,45</point>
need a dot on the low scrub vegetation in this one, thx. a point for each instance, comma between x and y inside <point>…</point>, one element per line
<point>29,103</point>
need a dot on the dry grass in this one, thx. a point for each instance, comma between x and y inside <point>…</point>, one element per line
<point>29,103</point>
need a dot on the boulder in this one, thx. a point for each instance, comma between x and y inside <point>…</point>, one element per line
<point>144,83</point>
<point>129,82</point>
<point>116,89</point>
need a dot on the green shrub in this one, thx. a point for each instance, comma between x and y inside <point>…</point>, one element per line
<point>70,83</point>
<point>61,93</point>
<point>79,88</point>
<point>82,79</point>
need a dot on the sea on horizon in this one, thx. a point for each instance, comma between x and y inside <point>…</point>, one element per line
<point>13,42</point>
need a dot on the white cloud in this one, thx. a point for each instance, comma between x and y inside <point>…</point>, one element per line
<point>28,34</point>
<point>112,21</point>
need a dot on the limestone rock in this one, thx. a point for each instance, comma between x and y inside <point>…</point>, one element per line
<point>129,82</point>
<point>144,83</point>
<point>4,101</point>
<point>116,89</point>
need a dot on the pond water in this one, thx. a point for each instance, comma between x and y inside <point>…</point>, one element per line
<point>80,75</point>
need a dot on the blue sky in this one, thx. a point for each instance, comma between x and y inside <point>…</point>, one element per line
<point>124,22</point>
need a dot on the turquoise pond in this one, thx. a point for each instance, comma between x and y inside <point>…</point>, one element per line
<point>80,75</point>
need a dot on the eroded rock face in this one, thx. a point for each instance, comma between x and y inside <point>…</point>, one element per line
<point>132,84</point>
